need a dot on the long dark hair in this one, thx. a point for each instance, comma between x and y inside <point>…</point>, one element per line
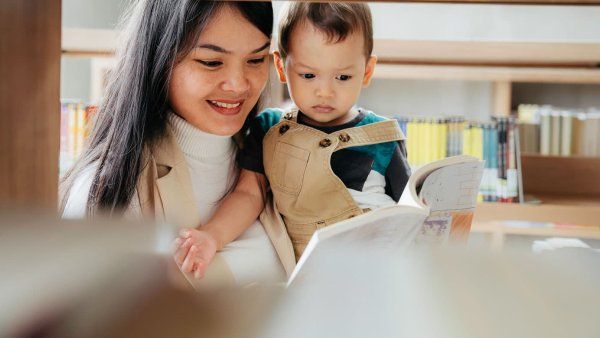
<point>133,114</point>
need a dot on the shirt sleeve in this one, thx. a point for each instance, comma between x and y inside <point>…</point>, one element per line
<point>397,173</point>
<point>76,205</point>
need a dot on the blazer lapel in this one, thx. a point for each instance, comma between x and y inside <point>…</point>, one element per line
<point>174,186</point>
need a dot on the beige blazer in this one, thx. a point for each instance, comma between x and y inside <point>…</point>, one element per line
<point>164,192</point>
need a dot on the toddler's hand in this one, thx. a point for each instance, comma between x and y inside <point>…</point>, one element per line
<point>194,250</point>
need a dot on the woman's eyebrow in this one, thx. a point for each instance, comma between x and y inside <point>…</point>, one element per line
<point>214,48</point>
<point>225,51</point>
<point>261,48</point>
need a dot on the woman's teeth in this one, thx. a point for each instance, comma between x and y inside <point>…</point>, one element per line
<point>224,105</point>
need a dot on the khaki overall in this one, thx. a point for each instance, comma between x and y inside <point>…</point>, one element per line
<point>297,162</point>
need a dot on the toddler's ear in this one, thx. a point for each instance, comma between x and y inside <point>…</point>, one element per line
<point>369,69</point>
<point>279,66</point>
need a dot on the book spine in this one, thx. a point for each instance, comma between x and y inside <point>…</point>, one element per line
<point>545,132</point>
<point>555,134</point>
<point>566,134</point>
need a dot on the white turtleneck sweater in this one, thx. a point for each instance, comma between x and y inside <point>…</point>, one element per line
<point>211,162</point>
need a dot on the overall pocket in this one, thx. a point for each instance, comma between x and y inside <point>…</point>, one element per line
<point>289,166</point>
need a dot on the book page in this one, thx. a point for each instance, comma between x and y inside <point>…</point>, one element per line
<point>453,187</point>
<point>451,194</point>
<point>390,229</point>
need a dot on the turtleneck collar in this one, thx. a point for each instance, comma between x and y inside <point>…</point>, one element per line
<point>197,143</point>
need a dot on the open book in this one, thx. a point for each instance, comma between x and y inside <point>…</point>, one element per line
<point>437,204</point>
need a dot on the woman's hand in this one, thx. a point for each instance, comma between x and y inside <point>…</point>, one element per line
<point>194,250</point>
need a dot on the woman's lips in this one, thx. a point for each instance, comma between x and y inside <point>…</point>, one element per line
<point>226,107</point>
<point>321,108</point>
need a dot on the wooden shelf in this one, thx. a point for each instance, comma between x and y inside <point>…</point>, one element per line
<point>83,42</point>
<point>590,232</point>
<point>561,178</point>
<point>488,73</point>
<point>489,53</point>
<point>581,215</point>
<point>491,219</point>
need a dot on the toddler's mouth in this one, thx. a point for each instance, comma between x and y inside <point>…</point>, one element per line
<point>323,108</point>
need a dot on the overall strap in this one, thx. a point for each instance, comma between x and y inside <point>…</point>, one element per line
<point>379,132</point>
<point>290,115</point>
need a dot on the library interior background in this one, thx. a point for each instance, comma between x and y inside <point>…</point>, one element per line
<point>516,85</point>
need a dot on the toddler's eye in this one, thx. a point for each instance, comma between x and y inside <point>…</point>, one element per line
<point>307,76</point>
<point>210,64</point>
<point>343,77</point>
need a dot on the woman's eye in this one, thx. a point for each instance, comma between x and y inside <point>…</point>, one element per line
<point>307,76</point>
<point>257,61</point>
<point>343,77</point>
<point>211,64</point>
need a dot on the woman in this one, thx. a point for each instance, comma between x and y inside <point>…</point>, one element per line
<point>188,79</point>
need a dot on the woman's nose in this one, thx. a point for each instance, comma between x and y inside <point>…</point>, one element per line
<point>236,81</point>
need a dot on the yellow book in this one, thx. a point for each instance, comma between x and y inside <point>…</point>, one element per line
<point>436,141</point>
<point>443,139</point>
<point>421,152</point>
<point>466,146</point>
<point>430,140</point>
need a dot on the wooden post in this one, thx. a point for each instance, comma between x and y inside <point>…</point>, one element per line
<point>501,98</point>
<point>29,102</point>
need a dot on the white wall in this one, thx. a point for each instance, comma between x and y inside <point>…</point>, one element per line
<point>486,22</point>
<point>483,22</point>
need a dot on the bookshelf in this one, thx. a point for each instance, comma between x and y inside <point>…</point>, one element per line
<point>502,63</point>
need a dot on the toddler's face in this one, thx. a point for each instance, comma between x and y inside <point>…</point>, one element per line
<point>325,79</point>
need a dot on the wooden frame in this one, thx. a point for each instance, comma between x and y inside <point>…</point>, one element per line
<point>29,103</point>
<point>562,176</point>
<point>570,221</point>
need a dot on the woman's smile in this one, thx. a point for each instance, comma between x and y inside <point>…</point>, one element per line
<point>226,107</point>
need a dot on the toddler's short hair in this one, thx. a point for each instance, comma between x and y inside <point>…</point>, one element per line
<point>334,19</point>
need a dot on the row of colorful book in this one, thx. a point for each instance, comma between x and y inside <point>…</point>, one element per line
<point>431,139</point>
<point>549,130</point>
<point>75,126</point>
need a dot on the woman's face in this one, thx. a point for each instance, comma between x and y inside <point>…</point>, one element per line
<point>219,81</point>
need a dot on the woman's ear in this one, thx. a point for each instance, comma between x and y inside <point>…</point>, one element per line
<point>369,69</point>
<point>279,66</point>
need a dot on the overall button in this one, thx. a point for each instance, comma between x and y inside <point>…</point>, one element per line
<point>283,129</point>
<point>325,143</point>
<point>344,137</point>
<point>287,116</point>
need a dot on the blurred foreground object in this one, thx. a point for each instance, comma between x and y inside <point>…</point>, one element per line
<point>106,279</point>
<point>445,293</point>
<point>103,279</point>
